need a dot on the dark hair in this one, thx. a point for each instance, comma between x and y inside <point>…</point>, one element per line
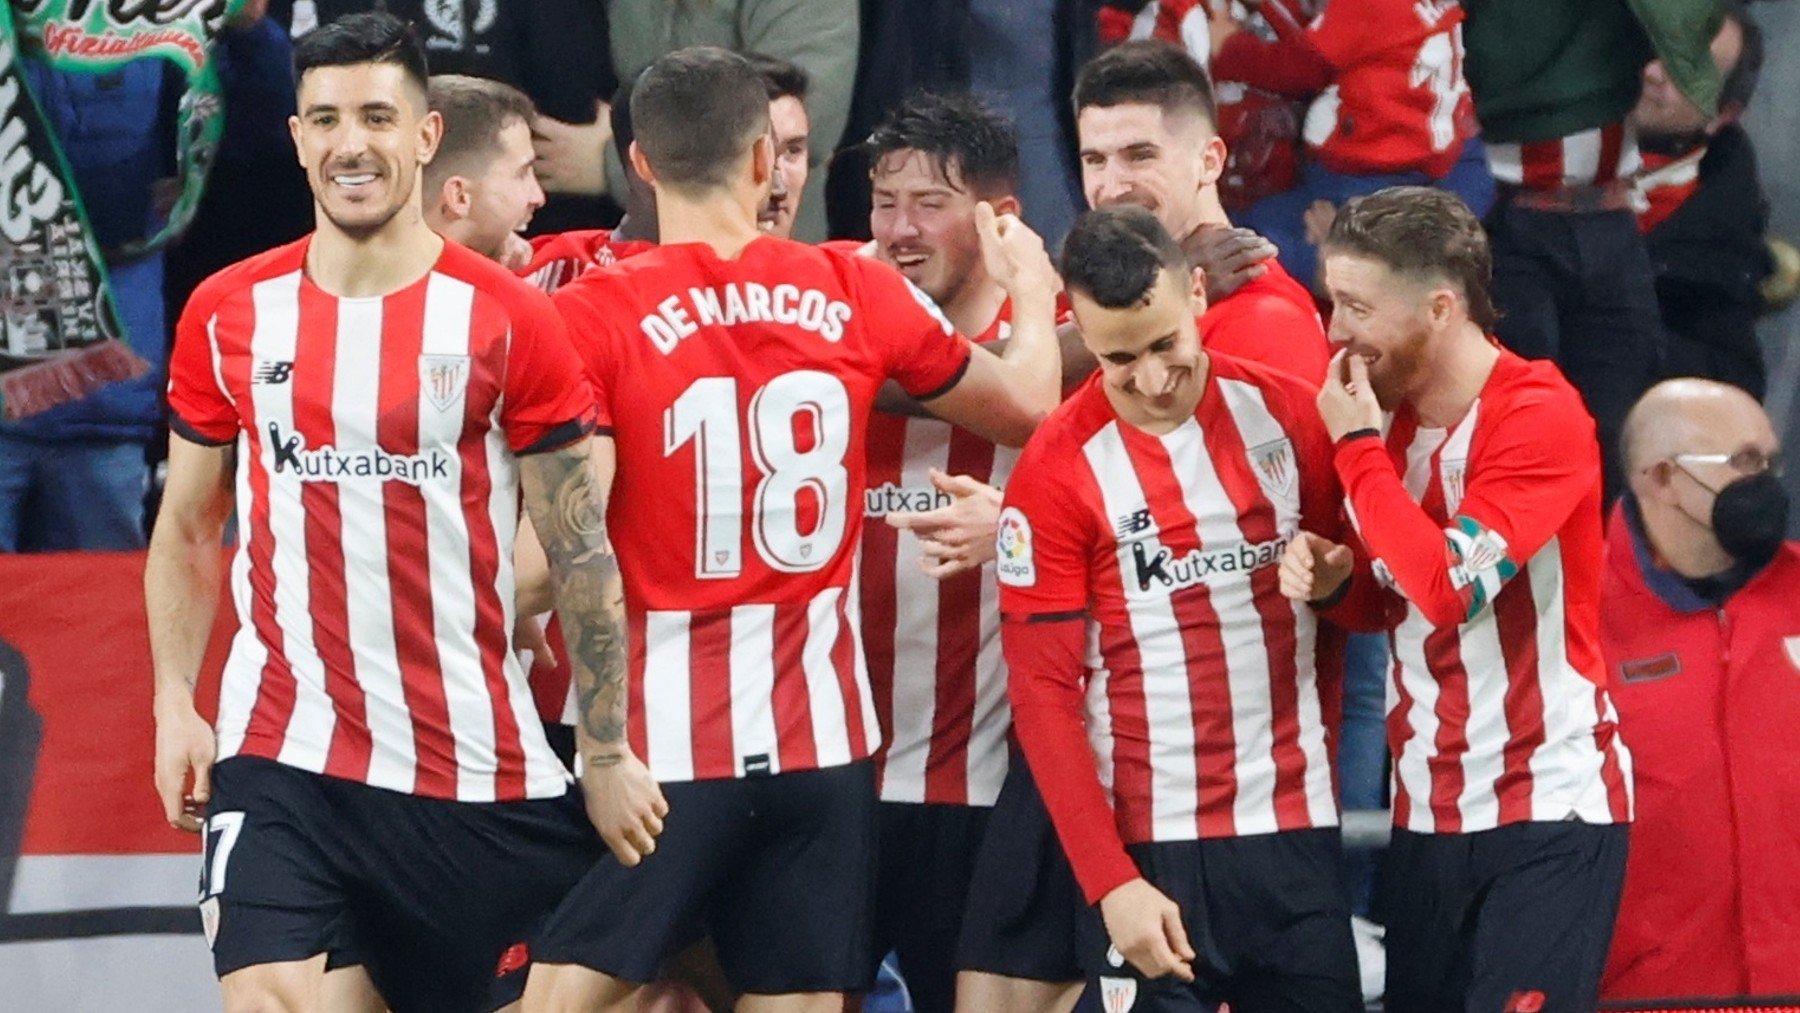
<point>1740,80</point>
<point>953,131</point>
<point>1148,71</point>
<point>365,37</point>
<point>694,112</point>
<point>620,115</point>
<point>1422,232</point>
<point>475,110</point>
<point>783,78</point>
<point>1114,255</point>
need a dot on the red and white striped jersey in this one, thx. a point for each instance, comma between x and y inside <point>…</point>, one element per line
<point>1588,158</point>
<point>1203,709</point>
<point>738,393</point>
<point>1490,534</point>
<point>377,492</point>
<point>559,258</point>
<point>933,646</point>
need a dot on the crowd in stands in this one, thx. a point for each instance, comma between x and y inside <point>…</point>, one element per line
<point>1598,142</point>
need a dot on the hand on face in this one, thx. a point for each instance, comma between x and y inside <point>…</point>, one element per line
<point>1347,400</point>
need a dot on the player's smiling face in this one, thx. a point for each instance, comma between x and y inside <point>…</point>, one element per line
<point>1136,153</point>
<point>362,134</point>
<point>1382,316</point>
<point>923,221</point>
<point>1150,357</point>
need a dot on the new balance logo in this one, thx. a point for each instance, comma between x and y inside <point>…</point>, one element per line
<point>272,371</point>
<point>1136,522</point>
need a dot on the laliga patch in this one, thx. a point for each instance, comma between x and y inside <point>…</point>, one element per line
<point>1118,994</point>
<point>209,920</point>
<point>1012,543</point>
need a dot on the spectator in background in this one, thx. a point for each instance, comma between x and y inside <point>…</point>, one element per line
<point>818,36</point>
<point>555,51</point>
<point>1702,645</point>
<point>1392,107</point>
<point>1553,82</point>
<point>75,476</point>
<point>1704,213</point>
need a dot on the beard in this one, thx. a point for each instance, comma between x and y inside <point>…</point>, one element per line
<point>1395,373</point>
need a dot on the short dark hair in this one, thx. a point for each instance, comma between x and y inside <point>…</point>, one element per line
<point>1114,255</point>
<point>1422,232</point>
<point>475,110</point>
<point>1740,80</point>
<point>953,131</point>
<point>1149,71</point>
<point>620,115</point>
<point>364,37</point>
<point>782,78</point>
<point>694,111</point>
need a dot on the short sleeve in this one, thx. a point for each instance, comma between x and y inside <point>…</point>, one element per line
<point>590,334</point>
<point>200,409</point>
<point>549,402</point>
<point>920,347</point>
<point>1043,544</point>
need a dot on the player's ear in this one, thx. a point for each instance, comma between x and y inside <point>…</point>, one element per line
<point>1007,205</point>
<point>1197,288</point>
<point>762,159</point>
<point>294,132</point>
<point>457,198</point>
<point>641,165</point>
<point>431,131</point>
<point>1212,160</point>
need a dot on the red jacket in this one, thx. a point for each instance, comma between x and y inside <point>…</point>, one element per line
<point>1709,702</point>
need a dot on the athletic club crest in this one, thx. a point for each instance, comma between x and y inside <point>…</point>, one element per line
<point>1118,994</point>
<point>1275,467</point>
<point>443,378</point>
<point>1453,473</point>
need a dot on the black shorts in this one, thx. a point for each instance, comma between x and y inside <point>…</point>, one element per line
<point>436,898</point>
<point>1519,917</point>
<point>778,870</point>
<point>1023,901</point>
<point>1268,919</point>
<point>921,891</point>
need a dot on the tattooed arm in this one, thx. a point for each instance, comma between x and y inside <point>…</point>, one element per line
<point>565,495</point>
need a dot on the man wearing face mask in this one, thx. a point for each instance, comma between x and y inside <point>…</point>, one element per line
<point>1702,645</point>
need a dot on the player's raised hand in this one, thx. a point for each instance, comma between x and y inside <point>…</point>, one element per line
<point>1145,926</point>
<point>1014,255</point>
<point>184,744</point>
<point>1347,400</point>
<point>1313,568</point>
<point>624,803</point>
<point>958,536</point>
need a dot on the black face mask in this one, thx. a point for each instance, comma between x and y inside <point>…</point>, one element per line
<point>1749,517</point>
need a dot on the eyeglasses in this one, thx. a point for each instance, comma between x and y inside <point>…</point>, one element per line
<point>1744,462</point>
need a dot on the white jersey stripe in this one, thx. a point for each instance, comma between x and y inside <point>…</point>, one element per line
<point>916,630</point>
<point>308,735</point>
<point>668,695</point>
<point>355,415</point>
<point>1411,770</point>
<point>986,757</point>
<point>1240,633</point>
<point>753,685</point>
<point>853,616</point>
<point>449,303</point>
<point>1581,155</point>
<point>1174,773</point>
<point>249,656</point>
<point>825,697</point>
